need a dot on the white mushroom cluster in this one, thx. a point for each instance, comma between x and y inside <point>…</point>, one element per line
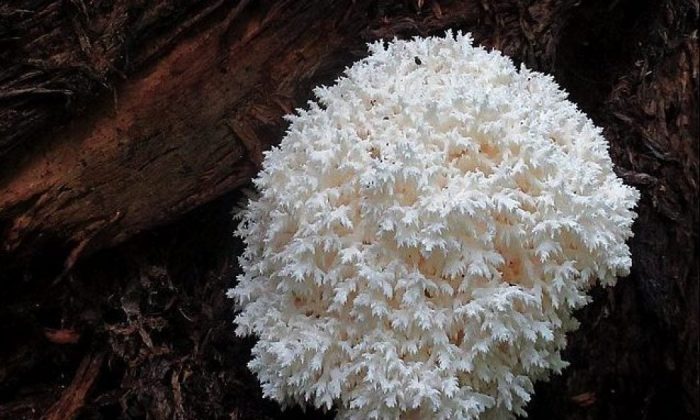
<point>423,233</point>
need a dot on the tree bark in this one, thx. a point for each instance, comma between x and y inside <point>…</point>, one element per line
<point>120,117</point>
<point>178,132</point>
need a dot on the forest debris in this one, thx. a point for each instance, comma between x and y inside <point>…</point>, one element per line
<point>73,398</point>
<point>11,94</point>
<point>62,336</point>
<point>586,399</point>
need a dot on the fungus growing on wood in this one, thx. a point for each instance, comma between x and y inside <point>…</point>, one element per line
<point>424,232</point>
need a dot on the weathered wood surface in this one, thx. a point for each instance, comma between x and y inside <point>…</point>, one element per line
<point>188,123</point>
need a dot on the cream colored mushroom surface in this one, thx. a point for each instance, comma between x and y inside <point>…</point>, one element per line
<point>423,233</point>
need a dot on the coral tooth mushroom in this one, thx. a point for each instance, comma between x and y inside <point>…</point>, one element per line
<point>423,233</point>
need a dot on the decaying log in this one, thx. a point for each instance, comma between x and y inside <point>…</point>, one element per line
<point>183,130</point>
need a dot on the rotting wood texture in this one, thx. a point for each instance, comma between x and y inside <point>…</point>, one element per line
<point>187,125</point>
